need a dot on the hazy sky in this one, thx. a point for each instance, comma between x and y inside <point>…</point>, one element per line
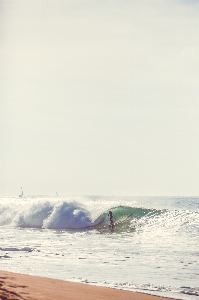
<point>99,97</point>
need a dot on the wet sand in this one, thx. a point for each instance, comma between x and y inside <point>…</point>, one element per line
<point>26,287</point>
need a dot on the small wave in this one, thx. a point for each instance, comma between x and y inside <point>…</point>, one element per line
<point>4,256</point>
<point>152,289</point>
<point>9,249</point>
<point>190,291</point>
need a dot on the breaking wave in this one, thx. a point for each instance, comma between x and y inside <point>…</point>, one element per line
<point>73,215</point>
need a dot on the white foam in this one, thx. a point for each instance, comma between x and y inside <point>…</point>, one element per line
<point>52,214</point>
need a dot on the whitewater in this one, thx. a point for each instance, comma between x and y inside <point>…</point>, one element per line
<point>153,247</point>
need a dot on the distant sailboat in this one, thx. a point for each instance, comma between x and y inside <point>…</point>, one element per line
<point>21,193</point>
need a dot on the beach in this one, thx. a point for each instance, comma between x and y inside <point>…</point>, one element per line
<point>27,287</point>
<point>152,249</point>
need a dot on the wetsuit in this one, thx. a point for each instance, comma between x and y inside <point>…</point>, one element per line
<point>111,218</point>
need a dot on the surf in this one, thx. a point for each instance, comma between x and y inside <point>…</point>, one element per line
<point>62,214</point>
<point>84,214</point>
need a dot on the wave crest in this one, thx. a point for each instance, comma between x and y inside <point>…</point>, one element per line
<point>63,214</point>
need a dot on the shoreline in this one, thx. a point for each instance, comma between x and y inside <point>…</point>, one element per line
<point>28,287</point>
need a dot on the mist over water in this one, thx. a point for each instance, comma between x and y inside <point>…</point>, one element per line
<point>153,246</point>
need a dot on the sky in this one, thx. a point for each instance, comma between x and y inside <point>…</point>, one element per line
<point>99,97</point>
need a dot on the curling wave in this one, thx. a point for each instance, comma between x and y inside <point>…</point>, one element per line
<point>62,214</point>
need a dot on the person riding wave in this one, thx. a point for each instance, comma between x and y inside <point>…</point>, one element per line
<point>111,218</point>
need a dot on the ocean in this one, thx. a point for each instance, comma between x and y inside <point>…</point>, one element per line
<point>153,247</point>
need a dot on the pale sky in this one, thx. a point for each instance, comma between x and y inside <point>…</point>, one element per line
<point>99,97</point>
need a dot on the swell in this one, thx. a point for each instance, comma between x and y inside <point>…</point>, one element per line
<point>77,216</point>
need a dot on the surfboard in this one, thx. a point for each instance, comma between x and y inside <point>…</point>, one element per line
<point>112,225</point>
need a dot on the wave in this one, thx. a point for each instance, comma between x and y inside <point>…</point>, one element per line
<point>73,215</point>
<point>125,218</point>
<point>25,249</point>
<point>148,288</point>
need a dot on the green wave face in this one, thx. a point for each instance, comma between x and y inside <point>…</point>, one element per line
<point>124,218</point>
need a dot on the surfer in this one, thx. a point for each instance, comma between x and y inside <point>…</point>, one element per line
<point>110,214</point>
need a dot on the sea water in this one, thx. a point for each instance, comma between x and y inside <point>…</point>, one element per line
<point>153,247</point>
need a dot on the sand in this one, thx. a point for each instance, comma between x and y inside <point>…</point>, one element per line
<point>27,287</point>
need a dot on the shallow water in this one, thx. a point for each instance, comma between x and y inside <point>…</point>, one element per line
<point>153,248</point>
